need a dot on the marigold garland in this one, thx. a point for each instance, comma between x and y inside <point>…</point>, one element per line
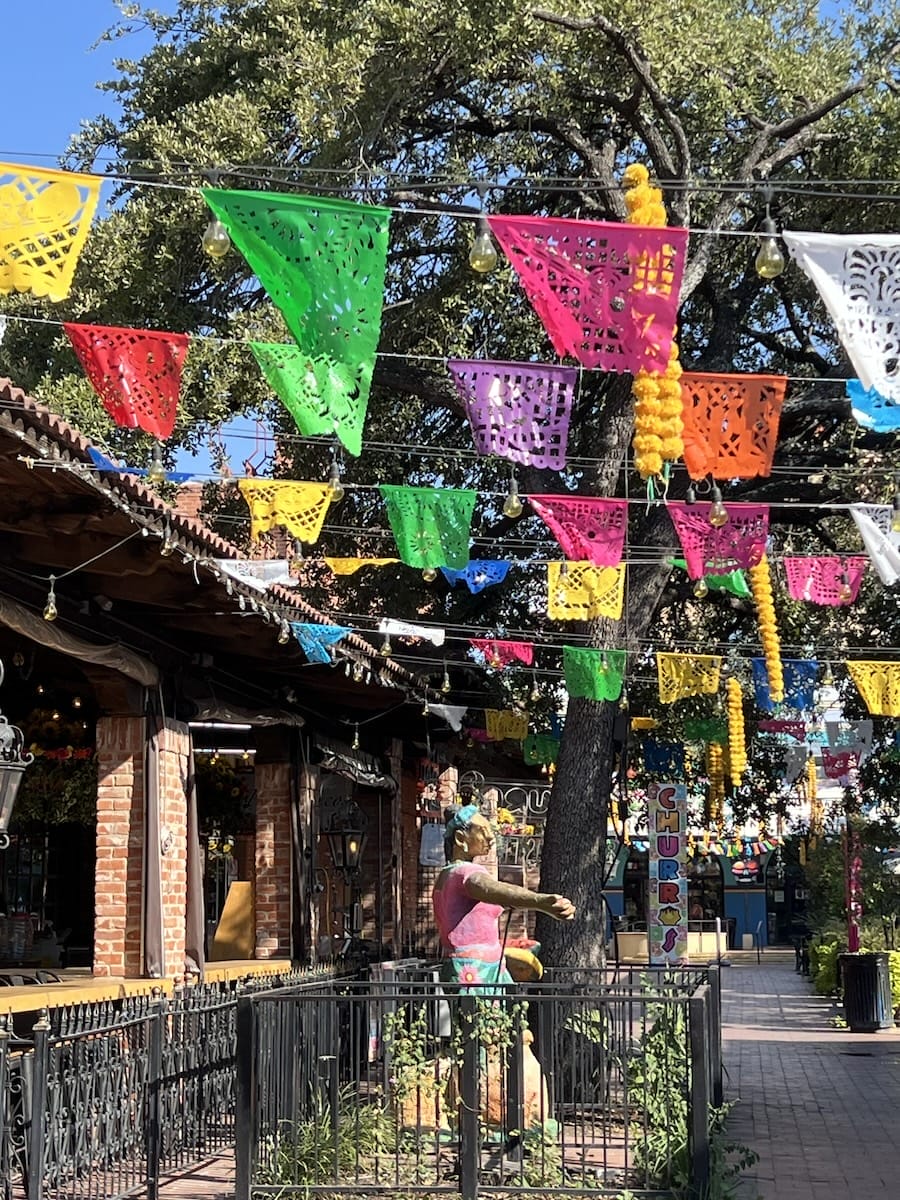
<point>816,811</point>
<point>715,769</point>
<point>761,586</point>
<point>737,750</point>
<point>657,398</point>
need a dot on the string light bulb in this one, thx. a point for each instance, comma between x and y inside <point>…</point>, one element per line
<point>828,677</point>
<point>535,694</point>
<point>357,672</point>
<point>623,700</point>
<point>156,472</point>
<point>895,514</point>
<point>355,743</point>
<point>430,574</point>
<point>483,252</point>
<point>386,648</point>
<point>845,592</point>
<point>718,513</point>
<point>215,239</point>
<point>334,482</point>
<point>76,702</point>
<point>512,505</point>
<point>445,682</point>
<point>769,260</point>
<point>51,612</point>
<point>168,543</point>
<point>701,589</point>
<point>425,708</point>
<point>284,633</point>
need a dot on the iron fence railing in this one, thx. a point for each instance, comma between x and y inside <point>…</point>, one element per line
<point>592,1081</point>
<point>102,1098</point>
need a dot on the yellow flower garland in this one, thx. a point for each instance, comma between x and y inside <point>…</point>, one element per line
<point>737,750</point>
<point>816,813</point>
<point>657,397</point>
<point>715,769</point>
<point>761,586</point>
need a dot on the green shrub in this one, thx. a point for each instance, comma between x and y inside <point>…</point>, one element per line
<point>823,963</point>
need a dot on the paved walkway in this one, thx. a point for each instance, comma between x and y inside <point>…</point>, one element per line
<point>820,1105</point>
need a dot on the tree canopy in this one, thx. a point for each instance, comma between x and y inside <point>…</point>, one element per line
<point>434,108</point>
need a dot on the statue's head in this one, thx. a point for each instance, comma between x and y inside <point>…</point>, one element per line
<point>468,833</point>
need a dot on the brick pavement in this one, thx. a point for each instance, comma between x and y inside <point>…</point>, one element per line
<point>820,1105</point>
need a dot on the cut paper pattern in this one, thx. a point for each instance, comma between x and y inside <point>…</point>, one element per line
<point>349,566</point>
<point>405,629</point>
<point>258,573</point>
<point>501,654</point>
<point>795,759</point>
<point>705,729</point>
<point>682,675</point>
<point>822,580</point>
<point>664,758</point>
<point>731,424</point>
<point>738,544</point>
<point>540,749</point>
<point>45,217</point>
<point>579,591</point>
<point>102,463</point>
<point>879,685</point>
<point>587,529</point>
<point>324,395</point>
<point>858,278</point>
<point>316,640</point>
<point>593,674</point>
<point>300,508</point>
<point>882,544</point>
<point>322,263</point>
<point>837,764</point>
<point>794,729</point>
<point>851,735</point>
<point>502,723</point>
<point>871,410</point>
<point>800,676</point>
<point>451,713</point>
<point>518,411</point>
<point>607,294</point>
<point>478,574</point>
<point>136,374</point>
<point>734,582</point>
<point>431,525</point>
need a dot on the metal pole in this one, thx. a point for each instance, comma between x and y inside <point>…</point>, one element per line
<point>245,1097</point>
<point>469,1141</point>
<point>4,1050</point>
<point>698,1127</point>
<point>154,1074</point>
<point>41,1070</point>
<point>715,1035</point>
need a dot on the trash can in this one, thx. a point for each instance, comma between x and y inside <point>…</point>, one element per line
<point>867,992</point>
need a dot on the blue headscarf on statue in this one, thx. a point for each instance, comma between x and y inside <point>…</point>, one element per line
<point>461,819</point>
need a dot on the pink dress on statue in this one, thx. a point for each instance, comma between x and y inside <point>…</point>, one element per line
<point>468,929</point>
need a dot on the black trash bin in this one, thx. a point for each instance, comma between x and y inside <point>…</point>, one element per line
<point>867,992</point>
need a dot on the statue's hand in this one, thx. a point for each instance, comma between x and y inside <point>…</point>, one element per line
<point>559,907</point>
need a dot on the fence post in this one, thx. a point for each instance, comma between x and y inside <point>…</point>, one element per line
<point>698,1129</point>
<point>4,1049</point>
<point>154,1075</point>
<point>41,1070</point>
<point>715,1035</point>
<point>469,1139</point>
<point>245,1097</point>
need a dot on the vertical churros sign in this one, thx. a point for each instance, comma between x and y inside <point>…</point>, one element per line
<point>667,909</point>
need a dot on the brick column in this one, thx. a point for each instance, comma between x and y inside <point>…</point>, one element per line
<point>174,746</point>
<point>119,880</point>
<point>273,847</point>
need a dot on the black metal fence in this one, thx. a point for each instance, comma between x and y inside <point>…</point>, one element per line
<point>600,1081</point>
<point>102,1098</point>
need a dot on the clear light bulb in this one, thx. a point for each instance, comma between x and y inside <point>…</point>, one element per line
<point>50,610</point>
<point>718,513</point>
<point>895,515</point>
<point>828,677</point>
<point>386,648</point>
<point>512,505</point>
<point>357,672</point>
<point>284,634</point>
<point>769,261</point>
<point>845,593</point>
<point>430,574</point>
<point>425,709</point>
<point>701,589</point>
<point>156,472</point>
<point>445,684</point>
<point>483,253</point>
<point>535,695</point>
<point>76,702</point>
<point>168,544</point>
<point>623,700</point>
<point>215,239</point>
<point>334,482</point>
<point>355,744</point>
